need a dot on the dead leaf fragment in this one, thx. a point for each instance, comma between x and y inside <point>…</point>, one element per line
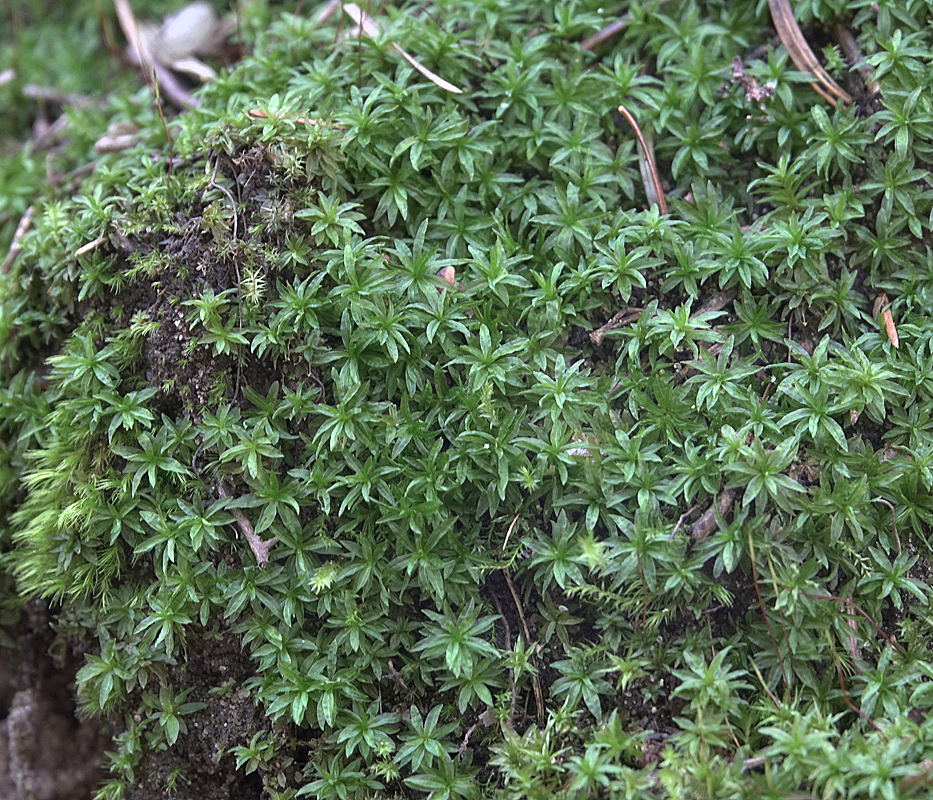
<point>119,136</point>
<point>707,523</point>
<point>193,30</point>
<point>922,778</point>
<point>173,46</point>
<point>448,274</point>
<point>883,306</point>
<point>753,92</point>
<point>156,74</point>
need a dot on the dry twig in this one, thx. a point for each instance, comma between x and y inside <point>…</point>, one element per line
<point>682,519</point>
<point>852,53</point>
<point>487,718</point>
<point>17,244</point>
<point>654,190</point>
<point>397,677</point>
<point>508,533</point>
<point>893,520</point>
<point>535,683</point>
<point>619,320</point>
<point>259,546</point>
<point>508,646</point>
<point>610,30</point>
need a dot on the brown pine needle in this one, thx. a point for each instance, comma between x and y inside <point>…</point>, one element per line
<point>800,53</point>
<point>659,192</point>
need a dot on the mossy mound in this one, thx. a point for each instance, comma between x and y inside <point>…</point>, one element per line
<point>372,440</point>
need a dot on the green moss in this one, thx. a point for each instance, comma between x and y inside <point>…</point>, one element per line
<point>519,552</point>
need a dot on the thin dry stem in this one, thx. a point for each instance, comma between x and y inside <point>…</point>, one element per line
<point>610,30</point>
<point>893,520</point>
<point>508,533</point>
<point>508,646</point>
<point>259,546</point>
<point>535,683</point>
<point>619,320</point>
<point>659,192</point>
<point>761,604</point>
<point>800,53</point>
<point>17,244</point>
<point>366,24</point>
<point>854,55</point>
<point>845,694</point>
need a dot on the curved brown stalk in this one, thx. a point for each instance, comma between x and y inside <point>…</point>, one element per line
<point>659,192</point>
<point>800,53</point>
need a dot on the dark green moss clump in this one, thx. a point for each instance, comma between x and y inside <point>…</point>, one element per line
<point>560,496</point>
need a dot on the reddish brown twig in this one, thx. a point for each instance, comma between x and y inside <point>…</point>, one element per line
<point>607,33</point>
<point>893,521</point>
<point>659,192</point>
<point>849,603</point>
<point>761,605</point>
<point>845,694</point>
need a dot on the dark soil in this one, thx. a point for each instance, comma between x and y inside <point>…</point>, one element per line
<point>47,752</point>
<point>200,764</point>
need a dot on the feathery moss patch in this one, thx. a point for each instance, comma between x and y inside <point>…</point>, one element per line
<point>560,496</point>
